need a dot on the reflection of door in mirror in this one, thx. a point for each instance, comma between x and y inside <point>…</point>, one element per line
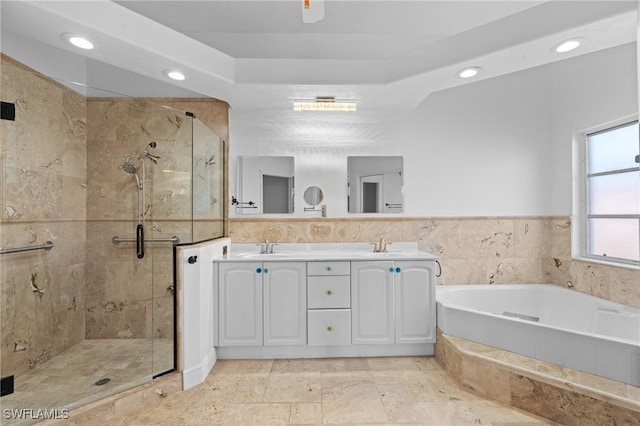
<point>265,185</point>
<point>276,194</point>
<point>371,194</point>
<point>374,184</point>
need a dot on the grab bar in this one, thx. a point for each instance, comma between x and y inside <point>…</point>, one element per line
<point>118,240</point>
<point>394,205</point>
<point>48,245</point>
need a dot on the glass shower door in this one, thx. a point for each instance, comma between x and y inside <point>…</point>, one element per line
<point>170,204</point>
<point>208,183</point>
<point>186,203</point>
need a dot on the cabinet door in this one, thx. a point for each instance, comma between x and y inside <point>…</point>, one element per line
<point>240,305</point>
<point>372,302</point>
<point>414,301</point>
<point>285,303</point>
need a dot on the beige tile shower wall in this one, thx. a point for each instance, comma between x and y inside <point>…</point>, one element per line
<point>471,250</point>
<point>43,197</point>
<point>128,297</point>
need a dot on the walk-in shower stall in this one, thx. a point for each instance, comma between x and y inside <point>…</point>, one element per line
<point>96,193</point>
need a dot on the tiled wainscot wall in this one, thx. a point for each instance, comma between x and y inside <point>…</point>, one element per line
<point>471,250</point>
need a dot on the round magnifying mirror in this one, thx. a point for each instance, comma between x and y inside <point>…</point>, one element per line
<point>313,195</point>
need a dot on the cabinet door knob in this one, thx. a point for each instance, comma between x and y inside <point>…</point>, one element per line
<point>329,292</point>
<point>391,269</point>
<point>398,270</point>
<point>258,270</point>
<point>265,270</point>
<point>192,259</point>
<point>329,328</point>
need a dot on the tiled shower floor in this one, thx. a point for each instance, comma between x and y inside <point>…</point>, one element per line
<point>68,379</point>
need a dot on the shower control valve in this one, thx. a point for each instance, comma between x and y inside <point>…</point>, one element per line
<point>192,259</point>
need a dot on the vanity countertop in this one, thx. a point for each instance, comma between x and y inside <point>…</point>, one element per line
<point>309,252</point>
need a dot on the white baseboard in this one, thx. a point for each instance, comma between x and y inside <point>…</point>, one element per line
<point>198,374</point>
<point>275,352</point>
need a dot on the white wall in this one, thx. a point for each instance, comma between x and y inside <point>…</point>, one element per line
<point>495,147</point>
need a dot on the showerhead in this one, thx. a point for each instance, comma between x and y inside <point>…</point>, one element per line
<point>146,154</point>
<point>129,168</point>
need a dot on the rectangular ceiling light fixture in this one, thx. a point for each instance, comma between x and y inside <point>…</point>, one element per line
<point>324,104</point>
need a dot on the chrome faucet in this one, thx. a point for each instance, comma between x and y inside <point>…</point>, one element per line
<point>267,247</point>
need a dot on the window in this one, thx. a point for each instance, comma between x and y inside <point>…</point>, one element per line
<point>610,205</point>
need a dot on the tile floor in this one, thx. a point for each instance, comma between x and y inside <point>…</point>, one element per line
<point>399,390</point>
<point>68,379</point>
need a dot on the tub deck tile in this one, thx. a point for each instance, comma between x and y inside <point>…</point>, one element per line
<point>538,386</point>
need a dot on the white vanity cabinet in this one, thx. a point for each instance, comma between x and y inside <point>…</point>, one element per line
<point>393,302</point>
<point>329,303</point>
<point>262,303</point>
<point>309,301</point>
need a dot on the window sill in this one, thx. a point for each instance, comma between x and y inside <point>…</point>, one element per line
<point>609,263</point>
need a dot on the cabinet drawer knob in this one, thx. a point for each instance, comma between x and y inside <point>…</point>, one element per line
<point>329,268</point>
<point>329,292</point>
<point>329,328</point>
<point>258,270</point>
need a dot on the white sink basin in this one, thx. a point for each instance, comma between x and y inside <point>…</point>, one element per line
<point>262,255</point>
<point>310,252</point>
<point>373,254</point>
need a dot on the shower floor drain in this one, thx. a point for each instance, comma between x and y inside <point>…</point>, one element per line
<point>102,382</point>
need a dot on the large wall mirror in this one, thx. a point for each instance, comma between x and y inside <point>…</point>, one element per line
<point>375,184</point>
<point>265,185</point>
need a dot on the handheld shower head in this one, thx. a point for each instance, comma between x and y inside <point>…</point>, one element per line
<point>130,168</point>
<point>133,170</point>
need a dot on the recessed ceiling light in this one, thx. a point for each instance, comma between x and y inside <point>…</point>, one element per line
<point>78,41</point>
<point>469,72</point>
<point>174,75</point>
<point>567,45</point>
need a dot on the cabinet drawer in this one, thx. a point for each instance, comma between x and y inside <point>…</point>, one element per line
<point>329,292</point>
<point>329,327</point>
<point>328,268</point>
